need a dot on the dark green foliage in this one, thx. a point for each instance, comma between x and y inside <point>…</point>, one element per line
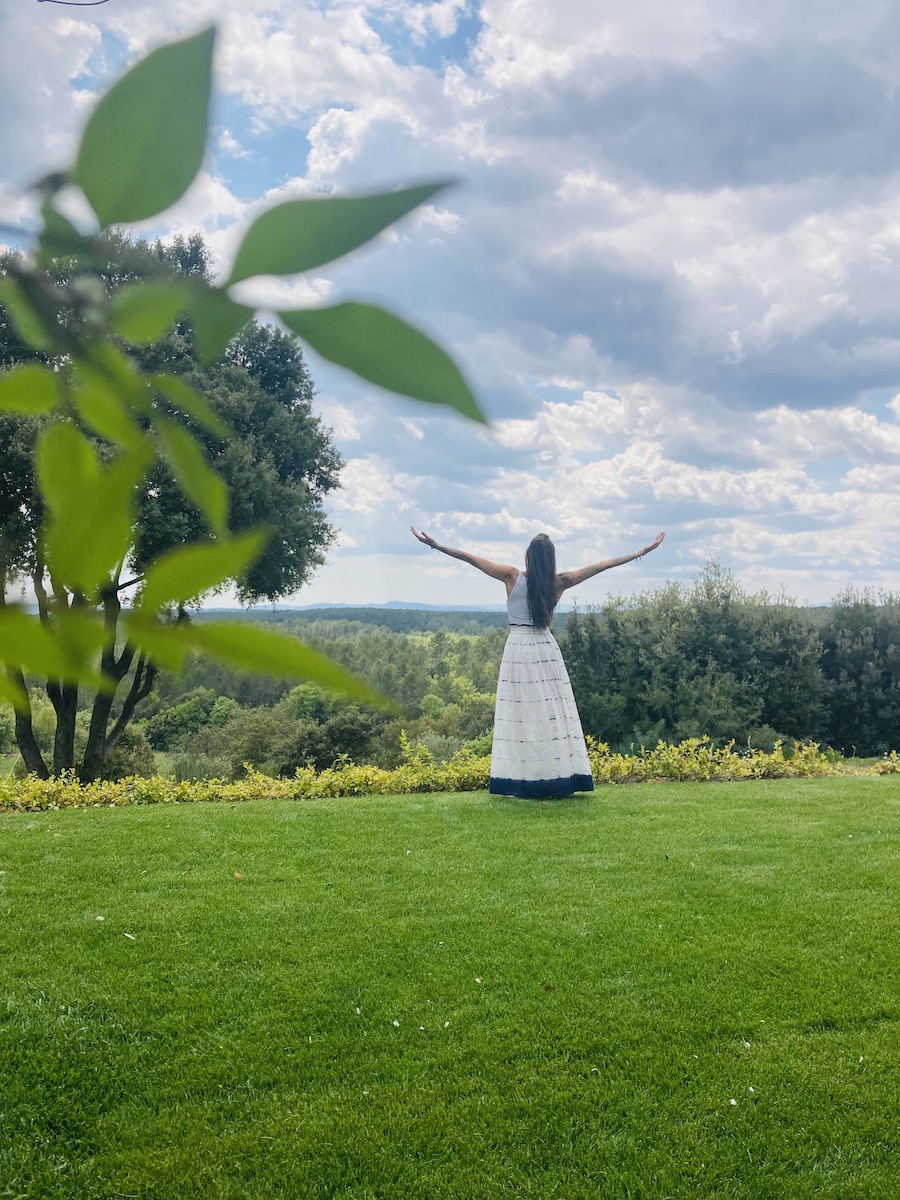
<point>7,731</point>
<point>132,755</point>
<point>278,467</point>
<point>861,664</point>
<point>677,663</point>
<point>349,732</point>
<point>171,725</point>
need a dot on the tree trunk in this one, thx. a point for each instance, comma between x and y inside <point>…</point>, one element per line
<point>114,669</point>
<point>66,705</point>
<point>95,750</point>
<point>25,739</point>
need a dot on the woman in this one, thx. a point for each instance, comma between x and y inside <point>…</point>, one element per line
<point>539,748</point>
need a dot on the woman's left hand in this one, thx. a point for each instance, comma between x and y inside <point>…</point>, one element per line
<point>423,538</point>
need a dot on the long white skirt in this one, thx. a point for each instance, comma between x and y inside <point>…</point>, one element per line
<point>539,748</point>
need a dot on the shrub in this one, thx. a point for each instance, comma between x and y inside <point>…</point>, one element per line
<point>694,759</point>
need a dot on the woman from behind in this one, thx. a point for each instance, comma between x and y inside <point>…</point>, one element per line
<point>539,749</point>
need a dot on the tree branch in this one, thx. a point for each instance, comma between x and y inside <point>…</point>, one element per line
<point>144,675</point>
<point>120,587</point>
<point>37,582</point>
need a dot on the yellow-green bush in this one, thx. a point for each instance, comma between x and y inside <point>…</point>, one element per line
<point>889,765</point>
<point>693,760</point>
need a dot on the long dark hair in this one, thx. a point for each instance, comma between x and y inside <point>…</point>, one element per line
<point>540,571</point>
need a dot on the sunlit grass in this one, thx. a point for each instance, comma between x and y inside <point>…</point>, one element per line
<point>676,990</point>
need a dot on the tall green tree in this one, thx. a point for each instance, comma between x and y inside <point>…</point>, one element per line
<point>278,467</point>
<point>861,663</point>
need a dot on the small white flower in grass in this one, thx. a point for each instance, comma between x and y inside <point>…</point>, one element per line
<point>477,980</point>
<point>357,1012</point>
<point>421,1029</point>
<point>396,1024</point>
<point>747,1044</point>
<point>446,1024</point>
<point>732,1102</point>
<point>101,918</point>
<point>861,1058</point>
<point>409,852</point>
<point>751,1089</point>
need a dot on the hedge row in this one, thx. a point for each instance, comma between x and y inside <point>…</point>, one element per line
<point>693,759</point>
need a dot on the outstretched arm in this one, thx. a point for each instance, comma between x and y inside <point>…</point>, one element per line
<point>570,579</point>
<point>496,570</point>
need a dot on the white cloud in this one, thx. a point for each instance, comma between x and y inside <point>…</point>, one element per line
<point>230,146</point>
<point>368,486</point>
<point>440,17</point>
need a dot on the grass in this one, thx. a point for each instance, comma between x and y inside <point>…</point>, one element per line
<point>666,991</point>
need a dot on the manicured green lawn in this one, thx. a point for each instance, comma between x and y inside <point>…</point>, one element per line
<point>657,991</point>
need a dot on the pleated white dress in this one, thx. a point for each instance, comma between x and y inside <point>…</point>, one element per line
<point>539,749</point>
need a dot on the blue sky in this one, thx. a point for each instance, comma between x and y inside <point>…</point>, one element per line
<point>669,269</point>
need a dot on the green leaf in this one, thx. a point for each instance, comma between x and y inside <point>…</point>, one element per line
<point>100,407</point>
<point>143,144</point>
<point>142,312</point>
<point>66,465</point>
<point>188,572</point>
<point>26,322</point>
<point>183,396</point>
<point>164,643</point>
<point>198,480</point>
<point>119,372</point>
<point>29,389</point>
<point>386,351</point>
<point>65,652</point>
<point>91,505</point>
<point>216,320</point>
<point>11,693</point>
<point>59,238</point>
<point>267,652</point>
<point>300,235</point>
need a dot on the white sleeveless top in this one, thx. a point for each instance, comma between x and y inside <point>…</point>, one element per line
<point>517,602</point>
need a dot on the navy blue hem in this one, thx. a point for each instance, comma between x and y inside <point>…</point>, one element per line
<point>542,789</point>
